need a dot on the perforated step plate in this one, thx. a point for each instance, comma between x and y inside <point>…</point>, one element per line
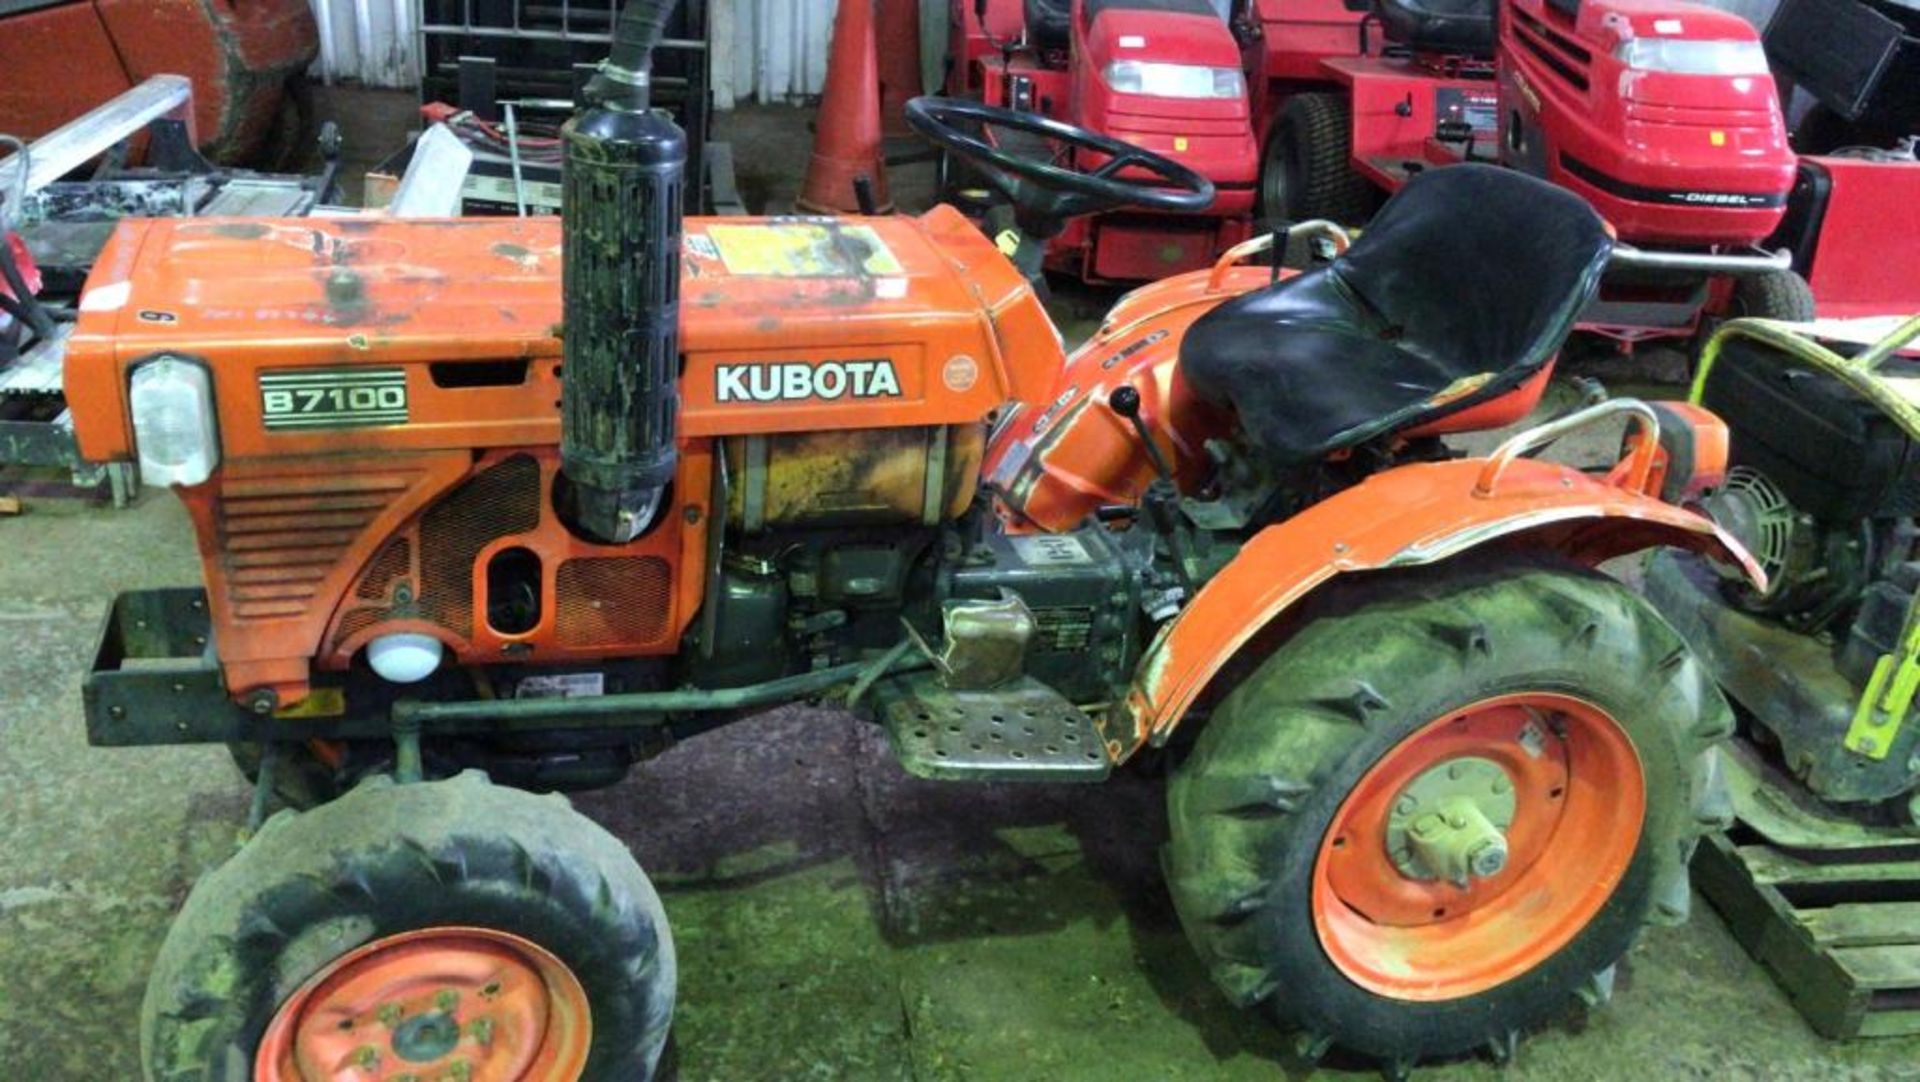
<point>1022,731</point>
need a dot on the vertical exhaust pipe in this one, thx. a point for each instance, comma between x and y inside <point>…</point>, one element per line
<point>622,182</point>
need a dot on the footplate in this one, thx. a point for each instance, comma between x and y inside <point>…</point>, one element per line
<point>1022,731</point>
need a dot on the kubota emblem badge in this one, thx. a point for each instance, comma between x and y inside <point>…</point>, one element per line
<point>787,381</point>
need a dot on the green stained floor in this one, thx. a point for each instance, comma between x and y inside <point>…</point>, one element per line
<point>835,918</point>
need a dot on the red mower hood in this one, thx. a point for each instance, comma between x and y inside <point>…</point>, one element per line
<point>1190,33</point>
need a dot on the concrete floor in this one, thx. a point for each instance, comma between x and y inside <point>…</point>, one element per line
<point>835,919</point>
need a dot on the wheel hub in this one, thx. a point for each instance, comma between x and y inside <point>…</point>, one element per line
<point>1478,846</point>
<point>1451,822</point>
<point>459,1004</point>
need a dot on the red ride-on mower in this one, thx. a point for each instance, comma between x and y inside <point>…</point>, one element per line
<point>1434,771</point>
<point>1662,116</point>
<point>1162,75</point>
<point>1855,207</point>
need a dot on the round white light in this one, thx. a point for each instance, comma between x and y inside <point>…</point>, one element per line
<point>405,657</point>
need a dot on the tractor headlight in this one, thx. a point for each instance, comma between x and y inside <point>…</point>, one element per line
<point>1174,80</point>
<point>1693,57</point>
<point>173,424</point>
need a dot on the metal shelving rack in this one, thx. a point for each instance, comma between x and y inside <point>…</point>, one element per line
<point>479,53</point>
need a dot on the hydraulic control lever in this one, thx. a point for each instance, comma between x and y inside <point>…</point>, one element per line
<point>1161,501</point>
<point>1125,401</point>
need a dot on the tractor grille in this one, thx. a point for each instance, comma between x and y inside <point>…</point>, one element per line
<point>356,621</point>
<point>1560,54</point>
<point>612,601</point>
<point>281,535</point>
<point>500,501</point>
<point>391,565</point>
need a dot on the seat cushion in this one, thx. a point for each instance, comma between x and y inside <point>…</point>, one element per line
<point>1048,23</point>
<point>1463,27</point>
<point>1465,285</point>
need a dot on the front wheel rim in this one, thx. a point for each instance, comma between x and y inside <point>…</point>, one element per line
<point>475,1004</point>
<point>1577,796</point>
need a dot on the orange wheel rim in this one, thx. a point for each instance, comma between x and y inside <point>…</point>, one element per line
<point>1569,779</point>
<point>453,1004</point>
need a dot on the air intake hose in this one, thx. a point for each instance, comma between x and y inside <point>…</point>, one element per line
<point>621,193</point>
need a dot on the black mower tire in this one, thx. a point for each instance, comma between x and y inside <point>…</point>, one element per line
<point>1305,171</point>
<point>386,859</point>
<point>1371,660</point>
<point>1782,295</point>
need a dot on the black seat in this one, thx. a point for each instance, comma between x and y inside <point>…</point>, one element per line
<point>1049,21</point>
<point>1459,27</point>
<point>1049,25</point>
<point>1465,284</point>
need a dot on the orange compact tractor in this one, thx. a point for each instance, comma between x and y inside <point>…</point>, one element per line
<point>488,506</point>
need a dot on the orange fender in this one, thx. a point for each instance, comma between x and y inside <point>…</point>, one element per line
<point>1405,517</point>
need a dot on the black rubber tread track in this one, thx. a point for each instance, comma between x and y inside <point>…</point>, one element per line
<point>1371,658</point>
<point>389,858</point>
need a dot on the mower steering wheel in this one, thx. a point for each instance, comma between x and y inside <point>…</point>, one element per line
<point>1044,195</point>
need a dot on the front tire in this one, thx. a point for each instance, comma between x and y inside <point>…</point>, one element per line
<point>416,926</point>
<point>1781,295</point>
<point>1396,690</point>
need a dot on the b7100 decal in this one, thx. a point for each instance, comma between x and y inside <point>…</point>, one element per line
<point>333,397</point>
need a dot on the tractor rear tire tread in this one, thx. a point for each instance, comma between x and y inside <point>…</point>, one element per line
<point>1483,626</point>
<point>385,859</point>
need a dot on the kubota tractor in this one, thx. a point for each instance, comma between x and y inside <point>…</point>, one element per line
<point>491,505</point>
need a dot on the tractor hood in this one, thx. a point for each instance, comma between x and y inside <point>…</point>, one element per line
<point>786,325</point>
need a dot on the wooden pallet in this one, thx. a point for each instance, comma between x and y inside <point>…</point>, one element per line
<point>1836,923</point>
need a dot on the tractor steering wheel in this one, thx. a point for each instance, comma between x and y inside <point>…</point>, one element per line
<point>1044,195</point>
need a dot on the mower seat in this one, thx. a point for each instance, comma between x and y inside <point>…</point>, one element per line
<point>1462,289</point>
<point>1455,27</point>
<point>1049,24</point>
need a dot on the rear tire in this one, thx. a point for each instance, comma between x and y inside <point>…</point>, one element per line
<point>1306,173</point>
<point>431,862</point>
<point>1373,665</point>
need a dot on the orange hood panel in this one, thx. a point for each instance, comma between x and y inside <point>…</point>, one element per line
<point>787,324</point>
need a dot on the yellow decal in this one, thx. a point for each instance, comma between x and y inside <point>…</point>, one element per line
<point>1459,388</point>
<point>803,250</point>
<point>1179,142</point>
<point>1718,138</point>
<point>319,703</point>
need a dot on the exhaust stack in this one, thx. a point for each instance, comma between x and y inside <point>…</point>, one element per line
<point>622,181</point>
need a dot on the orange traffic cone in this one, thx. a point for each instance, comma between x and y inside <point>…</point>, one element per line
<point>846,134</point>
<point>899,45</point>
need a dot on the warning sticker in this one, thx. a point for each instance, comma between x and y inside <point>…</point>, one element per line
<point>803,250</point>
<point>568,685</point>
